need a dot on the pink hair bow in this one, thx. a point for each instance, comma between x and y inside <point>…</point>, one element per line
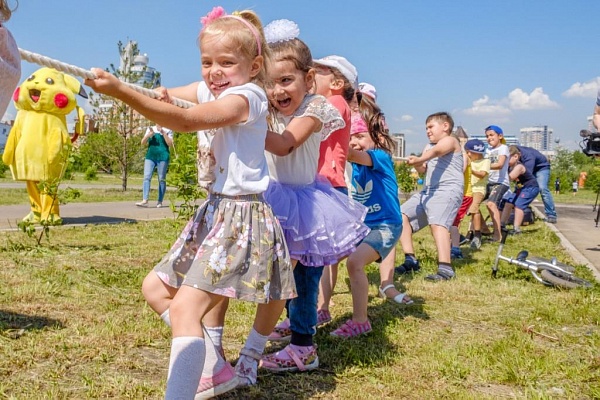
<point>216,13</point>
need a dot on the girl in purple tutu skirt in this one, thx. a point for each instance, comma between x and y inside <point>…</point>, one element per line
<point>321,225</point>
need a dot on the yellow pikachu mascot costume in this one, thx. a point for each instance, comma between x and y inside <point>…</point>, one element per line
<point>38,145</point>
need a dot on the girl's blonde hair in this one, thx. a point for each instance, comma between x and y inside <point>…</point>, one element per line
<point>243,39</point>
<point>6,11</point>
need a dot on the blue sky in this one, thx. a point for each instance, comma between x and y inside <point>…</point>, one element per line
<point>512,63</point>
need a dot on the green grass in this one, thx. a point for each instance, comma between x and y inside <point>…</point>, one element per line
<point>583,196</point>
<point>102,179</point>
<point>107,188</point>
<point>88,195</point>
<point>73,324</point>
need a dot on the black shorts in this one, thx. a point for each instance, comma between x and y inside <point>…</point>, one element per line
<point>494,192</point>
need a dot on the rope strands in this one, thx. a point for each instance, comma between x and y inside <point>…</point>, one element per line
<point>83,73</point>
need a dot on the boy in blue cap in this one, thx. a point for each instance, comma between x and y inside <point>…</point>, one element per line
<point>480,171</point>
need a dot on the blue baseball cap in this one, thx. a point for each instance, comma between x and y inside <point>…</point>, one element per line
<point>475,146</point>
<point>498,131</point>
<point>494,128</point>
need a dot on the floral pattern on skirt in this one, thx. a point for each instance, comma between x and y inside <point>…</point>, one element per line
<point>233,247</point>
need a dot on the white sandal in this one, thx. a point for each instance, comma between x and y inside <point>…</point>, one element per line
<point>399,298</point>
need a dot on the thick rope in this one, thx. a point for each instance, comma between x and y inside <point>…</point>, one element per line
<point>83,73</point>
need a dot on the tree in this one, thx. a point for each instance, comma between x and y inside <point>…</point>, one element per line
<point>116,145</point>
<point>563,166</point>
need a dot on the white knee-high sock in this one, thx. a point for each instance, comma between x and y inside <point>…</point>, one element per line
<point>165,317</point>
<point>216,335</point>
<point>213,362</point>
<point>185,367</point>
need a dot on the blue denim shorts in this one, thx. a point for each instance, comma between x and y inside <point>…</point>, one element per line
<point>383,238</point>
<point>524,197</point>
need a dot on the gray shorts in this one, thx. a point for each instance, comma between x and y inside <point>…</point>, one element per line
<point>432,209</point>
<point>383,238</point>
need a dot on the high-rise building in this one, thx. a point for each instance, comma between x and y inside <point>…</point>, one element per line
<point>538,137</point>
<point>147,76</point>
<point>399,151</point>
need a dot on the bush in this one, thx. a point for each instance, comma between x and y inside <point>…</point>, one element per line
<point>91,173</point>
<point>183,173</point>
<point>3,168</point>
<point>406,183</point>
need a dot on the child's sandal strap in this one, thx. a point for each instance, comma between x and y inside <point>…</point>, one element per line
<point>251,353</point>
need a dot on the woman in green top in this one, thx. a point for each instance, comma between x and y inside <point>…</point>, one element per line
<point>159,140</point>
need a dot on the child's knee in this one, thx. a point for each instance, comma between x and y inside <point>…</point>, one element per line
<point>354,267</point>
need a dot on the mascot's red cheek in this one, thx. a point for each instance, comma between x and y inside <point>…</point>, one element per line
<point>16,94</point>
<point>61,101</point>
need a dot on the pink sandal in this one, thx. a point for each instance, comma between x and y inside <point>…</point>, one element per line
<point>291,358</point>
<point>323,317</point>
<point>281,332</point>
<point>350,329</point>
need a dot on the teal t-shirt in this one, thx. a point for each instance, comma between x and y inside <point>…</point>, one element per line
<point>158,150</point>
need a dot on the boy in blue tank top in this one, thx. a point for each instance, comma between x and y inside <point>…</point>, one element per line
<point>526,190</point>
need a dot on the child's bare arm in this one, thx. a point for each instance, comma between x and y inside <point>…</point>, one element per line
<point>359,157</point>
<point>188,92</point>
<point>444,146</point>
<point>500,163</point>
<point>296,133</point>
<point>225,111</point>
<point>479,174</point>
<point>517,171</point>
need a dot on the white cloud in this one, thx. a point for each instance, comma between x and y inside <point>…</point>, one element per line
<point>586,89</point>
<point>517,99</point>
<point>485,107</point>
<point>406,118</point>
<point>536,100</point>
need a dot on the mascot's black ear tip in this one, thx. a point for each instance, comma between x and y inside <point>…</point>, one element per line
<point>82,92</point>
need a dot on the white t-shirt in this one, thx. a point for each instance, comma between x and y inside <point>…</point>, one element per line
<point>499,175</point>
<point>235,154</point>
<point>300,167</point>
<point>10,67</point>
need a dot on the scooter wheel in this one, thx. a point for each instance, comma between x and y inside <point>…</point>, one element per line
<point>563,280</point>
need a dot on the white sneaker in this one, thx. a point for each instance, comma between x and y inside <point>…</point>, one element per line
<point>143,203</point>
<point>159,205</point>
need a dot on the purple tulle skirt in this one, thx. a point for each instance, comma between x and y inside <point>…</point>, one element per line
<point>321,225</point>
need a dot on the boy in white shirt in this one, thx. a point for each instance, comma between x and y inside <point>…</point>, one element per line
<point>498,182</point>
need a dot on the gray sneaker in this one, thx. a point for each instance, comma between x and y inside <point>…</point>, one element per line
<point>476,242</point>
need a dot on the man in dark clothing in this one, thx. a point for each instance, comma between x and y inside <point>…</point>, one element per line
<point>539,166</point>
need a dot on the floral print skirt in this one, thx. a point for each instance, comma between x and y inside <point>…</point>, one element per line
<point>233,247</point>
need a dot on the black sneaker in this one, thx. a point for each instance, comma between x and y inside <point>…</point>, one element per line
<point>408,266</point>
<point>551,220</point>
<point>463,240</point>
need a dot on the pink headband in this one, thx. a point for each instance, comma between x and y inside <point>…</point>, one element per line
<point>219,12</point>
<point>357,124</point>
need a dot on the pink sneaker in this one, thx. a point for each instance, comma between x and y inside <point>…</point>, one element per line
<point>281,332</point>
<point>215,385</point>
<point>350,329</point>
<point>323,317</point>
<point>291,358</point>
